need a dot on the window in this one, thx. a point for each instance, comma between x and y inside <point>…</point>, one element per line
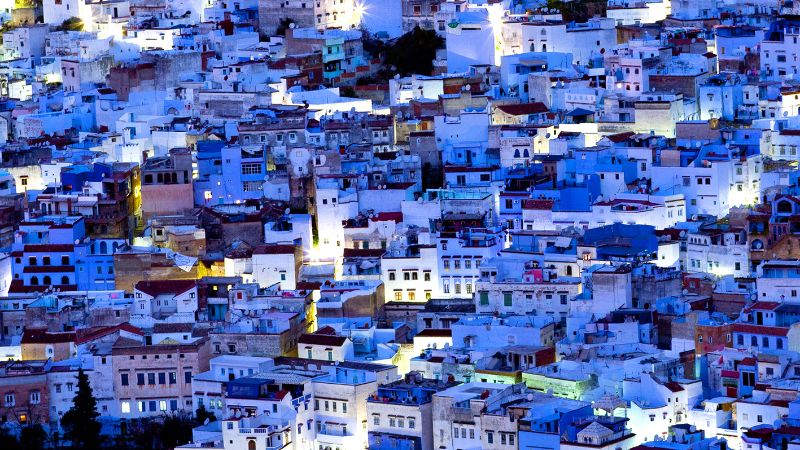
<point>251,168</point>
<point>507,300</point>
<point>151,378</point>
<point>187,377</point>
<point>125,407</point>
<point>391,276</point>
<point>35,398</point>
<point>123,379</point>
<point>9,400</point>
<point>484,298</point>
<point>140,379</point>
<point>411,423</point>
<point>490,437</point>
<point>162,405</point>
<point>376,420</point>
<point>173,378</point>
<point>398,296</point>
<point>162,378</point>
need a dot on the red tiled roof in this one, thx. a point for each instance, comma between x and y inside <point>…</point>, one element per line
<point>620,137</point>
<point>49,247</point>
<point>524,108</point>
<point>46,337</point>
<point>19,287</point>
<point>172,327</point>
<point>388,216</point>
<point>363,252</point>
<point>308,285</point>
<point>435,332</point>
<point>274,249</point>
<point>48,269</point>
<point>764,305</point>
<point>673,386</point>
<point>89,334</point>
<point>537,204</point>
<point>158,287</point>
<point>759,329</point>
<point>322,339</point>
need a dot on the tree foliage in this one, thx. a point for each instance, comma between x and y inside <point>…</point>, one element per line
<point>414,52</point>
<point>71,24</point>
<point>202,414</point>
<point>176,429</point>
<point>80,424</point>
<point>284,25</point>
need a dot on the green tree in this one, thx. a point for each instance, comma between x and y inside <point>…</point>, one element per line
<point>202,414</point>
<point>284,25</point>
<point>7,439</point>
<point>176,429</point>
<point>414,52</point>
<point>71,24</point>
<point>80,424</point>
<point>32,437</point>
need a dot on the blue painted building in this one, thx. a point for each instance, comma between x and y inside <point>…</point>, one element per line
<point>229,173</point>
<point>54,252</point>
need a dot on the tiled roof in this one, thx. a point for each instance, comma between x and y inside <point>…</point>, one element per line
<point>759,329</point>
<point>158,287</point>
<point>46,337</point>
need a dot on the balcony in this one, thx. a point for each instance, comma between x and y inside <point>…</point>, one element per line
<point>334,55</point>
<point>332,73</point>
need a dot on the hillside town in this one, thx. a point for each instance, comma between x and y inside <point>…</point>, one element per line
<point>400,224</point>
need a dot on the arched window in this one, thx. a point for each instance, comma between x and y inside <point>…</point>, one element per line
<point>569,271</point>
<point>103,247</point>
<point>779,343</point>
<point>765,342</point>
<point>251,445</point>
<point>47,281</point>
<point>148,179</point>
<point>65,280</point>
<point>526,153</point>
<point>34,280</point>
<point>784,206</point>
<point>740,340</point>
<point>754,341</point>
<point>516,153</point>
